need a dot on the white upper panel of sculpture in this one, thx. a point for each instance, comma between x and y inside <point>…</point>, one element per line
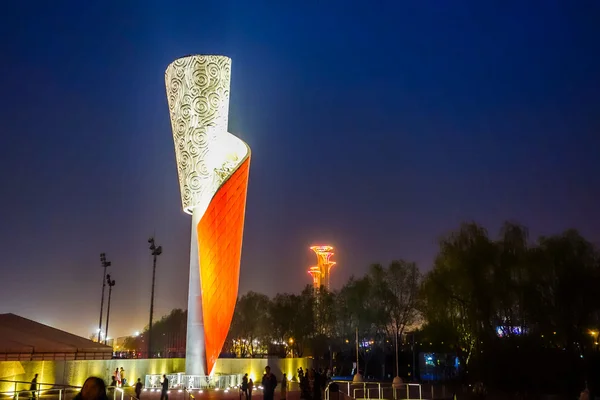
<point>198,96</point>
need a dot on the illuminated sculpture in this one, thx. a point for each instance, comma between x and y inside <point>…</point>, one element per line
<point>212,165</point>
<point>320,272</point>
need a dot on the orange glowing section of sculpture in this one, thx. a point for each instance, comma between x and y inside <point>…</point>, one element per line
<point>321,271</point>
<point>220,234</point>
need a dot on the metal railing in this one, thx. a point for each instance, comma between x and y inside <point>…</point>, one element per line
<point>119,393</point>
<point>384,390</point>
<point>55,389</point>
<point>89,355</point>
<point>40,389</point>
<point>29,393</point>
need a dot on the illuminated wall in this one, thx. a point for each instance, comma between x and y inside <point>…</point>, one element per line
<point>75,372</point>
<point>213,166</point>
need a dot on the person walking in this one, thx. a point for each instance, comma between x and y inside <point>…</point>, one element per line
<point>164,394</point>
<point>304,388</point>
<point>314,384</point>
<point>284,387</point>
<point>250,388</point>
<point>33,386</point>
<point>269,384</point>
<point>244,386</point>
<point>138,388</point>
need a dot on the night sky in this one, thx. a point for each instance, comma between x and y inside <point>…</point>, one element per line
<point>376,127</point>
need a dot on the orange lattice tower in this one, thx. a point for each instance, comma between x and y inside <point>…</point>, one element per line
<point>321,271</point>
<point>315,272</point>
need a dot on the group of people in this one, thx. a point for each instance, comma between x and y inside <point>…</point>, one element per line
<point>312,385</point>
<point>269,385</point>
<point>92,389</point>
<point>118,378</point>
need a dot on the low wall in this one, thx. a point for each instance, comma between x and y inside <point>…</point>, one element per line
<point>75,372</point>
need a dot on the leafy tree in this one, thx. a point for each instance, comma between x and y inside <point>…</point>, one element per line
<point>396,290</point>
<point>250,328</point>
<point>303,326</point>
<point>168,335</point>
<point>567,277</point>
<point>292,320</point>
<point>357,303</point>
<point>480,288</point>
<point>512,278</point>
<point>283,312</point>
<point>324,312</point>
<point>458,291</point>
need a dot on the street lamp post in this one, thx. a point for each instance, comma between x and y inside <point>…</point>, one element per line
<point>105,264</point>
<point>357,377</point>
<point>110,284</point>
<point>155,251</point>
<point>414,377</point>
<point>397,382</point>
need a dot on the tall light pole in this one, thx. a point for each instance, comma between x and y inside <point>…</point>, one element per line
<point>110,284</point>
<point>155,251</point>
<point>397,382</point>
<point>105,264</point>
<point>414,377</point>
<point>357,377</point>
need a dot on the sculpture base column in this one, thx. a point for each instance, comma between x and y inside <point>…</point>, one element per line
<point>195,352</point>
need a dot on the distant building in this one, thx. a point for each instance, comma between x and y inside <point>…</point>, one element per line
<point>118,343</point>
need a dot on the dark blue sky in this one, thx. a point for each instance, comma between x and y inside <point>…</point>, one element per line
<point>375,127</point>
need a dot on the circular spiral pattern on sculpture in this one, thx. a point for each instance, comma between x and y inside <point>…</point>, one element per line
<point>200,105</point>
<point>185,161</point>
<point>175,84</point>
<point>186,111</point>
<point>199,137</point>
<point>198,97</point>
<point>200,78</point>
<point>194,181</point>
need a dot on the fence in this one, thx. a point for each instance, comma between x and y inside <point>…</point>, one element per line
<point>105,355</point>
<point>53,390</point>
<point>385,391</point>
<point>23,389</point>
<point>182,381</point>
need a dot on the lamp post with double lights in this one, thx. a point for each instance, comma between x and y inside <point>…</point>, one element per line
<point>105,265</point>
<point>110,284</point>
<point>155,251</point>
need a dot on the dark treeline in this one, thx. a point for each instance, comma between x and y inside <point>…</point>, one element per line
<point>520,314</point>
<point>168,338</point>
<point>540,297</point>
<point>324,324</point>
